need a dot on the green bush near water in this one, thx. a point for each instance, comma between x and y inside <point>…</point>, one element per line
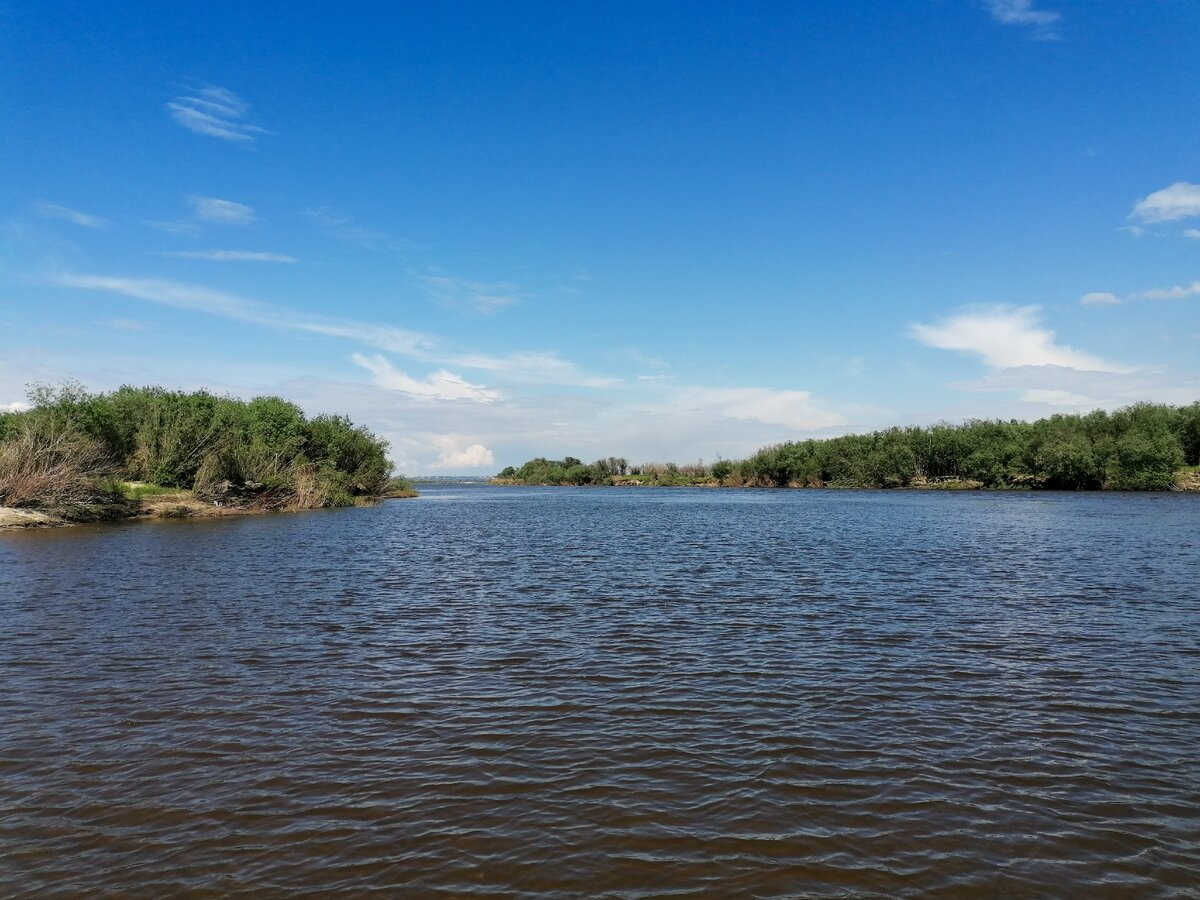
<point>263,451</point>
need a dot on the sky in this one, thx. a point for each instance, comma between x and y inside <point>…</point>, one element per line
<point>668,231</point>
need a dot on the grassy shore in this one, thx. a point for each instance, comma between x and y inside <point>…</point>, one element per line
<point>148,452</point>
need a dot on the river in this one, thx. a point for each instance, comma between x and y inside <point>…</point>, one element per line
<point>525,692</point>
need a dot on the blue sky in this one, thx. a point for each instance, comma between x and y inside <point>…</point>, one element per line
<point>666,231</point>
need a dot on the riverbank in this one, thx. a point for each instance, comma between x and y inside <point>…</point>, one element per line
<point>161,503</point>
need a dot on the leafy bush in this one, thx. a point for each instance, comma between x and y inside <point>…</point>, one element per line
<point>263,451</point>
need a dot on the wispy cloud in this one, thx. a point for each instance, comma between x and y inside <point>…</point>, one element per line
<point>532,367</point>
<point>791,409</point>
<point>440,385</point>
<point>343,228</point>
<point>55,211</point>
<point>462,293</point>
<point>217,112</point>
<point>219,303</point>
<point>1005,337</point>
<point>1193,233</point>
<point>529,367</point>
<point>1099,298</point>
<point>220,212</point>
<point>229,256</point>
<point>1059,387</point>
<point>1178,292</point>
<point>1180,200</point>
<point>1021,12</point>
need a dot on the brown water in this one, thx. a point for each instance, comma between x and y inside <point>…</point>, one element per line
<point>607,692</point>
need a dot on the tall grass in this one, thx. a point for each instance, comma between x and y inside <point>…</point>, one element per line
<point>57,469</point>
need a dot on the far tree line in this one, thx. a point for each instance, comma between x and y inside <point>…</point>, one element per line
<point>1143,447</point>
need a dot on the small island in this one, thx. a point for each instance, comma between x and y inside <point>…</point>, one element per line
<point>77,456</point>
<point>1144,447</point>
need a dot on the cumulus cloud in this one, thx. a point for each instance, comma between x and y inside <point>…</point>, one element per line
<point>230,256</point>
<point>452,455</point>
<point>1005,338</point>
<point>65,213</point>
<point>221,212</point>
<point>217,112</point>
<point>1021,12</point>
<point>14,407</point>
<point>440,385</point>
<point>1180,200</point>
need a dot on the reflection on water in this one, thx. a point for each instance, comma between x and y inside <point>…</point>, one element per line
<point>610,692</point>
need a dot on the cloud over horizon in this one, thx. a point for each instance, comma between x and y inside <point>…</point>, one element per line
<point>1005,338</point>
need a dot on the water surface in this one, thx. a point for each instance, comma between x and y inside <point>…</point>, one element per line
<point>610,692</point>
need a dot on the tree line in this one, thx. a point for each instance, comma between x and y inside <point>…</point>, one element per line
<point>1140,447</point>
<point>73,449</point>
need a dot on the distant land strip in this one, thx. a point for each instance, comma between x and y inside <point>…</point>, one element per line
<point>1143,447</point>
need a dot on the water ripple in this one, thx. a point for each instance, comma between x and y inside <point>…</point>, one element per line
<point>622,693</point>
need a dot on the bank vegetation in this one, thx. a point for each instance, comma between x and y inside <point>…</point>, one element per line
<point>79,456</point>
<point>1144,447</point>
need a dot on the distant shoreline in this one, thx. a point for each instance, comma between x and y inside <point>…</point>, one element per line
<point>1186,482</point>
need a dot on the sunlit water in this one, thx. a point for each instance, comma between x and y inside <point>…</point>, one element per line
<point>610,692</point>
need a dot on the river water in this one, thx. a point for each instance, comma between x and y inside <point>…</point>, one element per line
<point>610,692</point>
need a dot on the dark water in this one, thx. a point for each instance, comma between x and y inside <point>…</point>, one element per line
<point>607,692</point>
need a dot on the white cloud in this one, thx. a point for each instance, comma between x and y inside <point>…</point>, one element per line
<point>221,212</point>
<point>1050,385</point>
<point>790,409</point>
<point>124,324</point>
<point>1181,200</point>
<point>1006,338</point>
<point>1021,12</point>
<point>532,367</point>
<point>75,217</point>
<point>440,385</point>
<point>521,366</point>
<point>230,256</point>
<point>14,407</point>
<point>1099,298</point>
<point>343,228</point>
<point>453,456</point>
<point>186,296</point>
<point>1193,233</point>
<point>1055,397</point>
<point>216,112</point>
<point>1172,293</point>
<point>475,295</point>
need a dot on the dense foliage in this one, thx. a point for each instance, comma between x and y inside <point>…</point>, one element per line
<point>1141,447</point>
<point>263,451</point>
